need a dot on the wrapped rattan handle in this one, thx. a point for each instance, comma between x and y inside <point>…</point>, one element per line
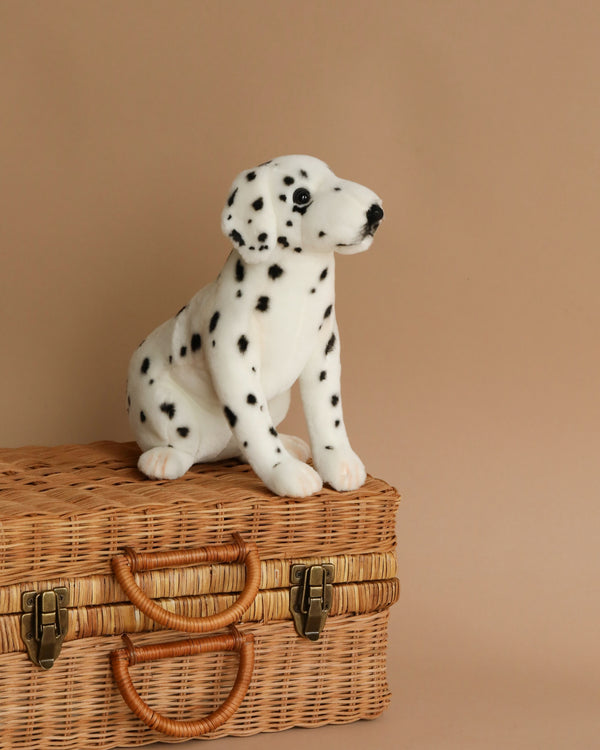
<point>123,658</point>
<point>125,565</point>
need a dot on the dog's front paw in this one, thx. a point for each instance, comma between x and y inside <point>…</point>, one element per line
<point>293,478</point>
<point>341,468</point>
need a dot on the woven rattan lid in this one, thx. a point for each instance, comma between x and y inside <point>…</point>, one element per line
<point>65,511</point>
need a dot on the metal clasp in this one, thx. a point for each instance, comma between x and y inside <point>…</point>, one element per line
<point>44,624</point>
<point>311,595</point>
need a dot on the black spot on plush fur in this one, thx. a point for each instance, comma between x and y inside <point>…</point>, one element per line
<point>335,400</point>
<point>262,236</point>
<point>251,399</point>
<point>324,274</point>
<point>301,209</point>
<point>183,431</point>
<point>322,375</point>
<point>275,271</point>
<point>231,198</point>
<point>303,173</point>
<point>283,241</point>
<point>242,344</point>
<point>288,180</point>
<point>328,311</point>
<point>168,409</point>
<point>337,422</point>
<point>213,321</point>
<point>258,204</point>
<point>262,304</point>
<point>250,176</point>
<point>145,366</point>
<point>231,416</point>
<point>237,237</point>
<point>183,351</point>
<point>321,234</point>
<point>273,431</point>
<point>330,344</point>
<point>239,270</point>
<point>289,223</point>
<point>142,416</point>
<point>297,249</point>
<point>196,342</point>
<point>283,197</point>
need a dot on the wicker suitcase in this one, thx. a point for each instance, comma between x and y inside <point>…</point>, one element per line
<point>243,612</point>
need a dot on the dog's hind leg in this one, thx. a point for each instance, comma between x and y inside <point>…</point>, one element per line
<point>279,407</point>
<point>174,430</point>
<point>164,462</point>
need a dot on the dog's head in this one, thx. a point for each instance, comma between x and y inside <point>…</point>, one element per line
<point>297,202</point>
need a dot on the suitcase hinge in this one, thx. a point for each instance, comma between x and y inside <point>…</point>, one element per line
<point>311,595</point>
<point>44,624</point>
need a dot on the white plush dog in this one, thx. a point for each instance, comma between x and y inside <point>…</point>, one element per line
<point>214,381</point>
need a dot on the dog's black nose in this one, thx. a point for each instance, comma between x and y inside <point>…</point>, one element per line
<point>374,216</point>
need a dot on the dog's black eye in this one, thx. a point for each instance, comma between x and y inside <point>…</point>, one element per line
<point>301,196</point>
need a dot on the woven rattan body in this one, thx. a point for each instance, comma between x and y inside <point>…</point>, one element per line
<point>214,547</point>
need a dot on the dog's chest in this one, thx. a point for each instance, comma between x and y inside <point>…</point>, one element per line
<point>289,303</point>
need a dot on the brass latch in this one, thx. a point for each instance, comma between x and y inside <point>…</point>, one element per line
<point>44,624</point>
<point>311,595</point>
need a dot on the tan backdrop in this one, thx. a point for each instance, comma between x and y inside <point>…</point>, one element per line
<point>470,330</point>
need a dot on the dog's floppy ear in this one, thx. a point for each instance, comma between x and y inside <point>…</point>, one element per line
<point>249,215</point>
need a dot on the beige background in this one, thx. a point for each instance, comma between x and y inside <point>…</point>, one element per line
<point>470,330</point>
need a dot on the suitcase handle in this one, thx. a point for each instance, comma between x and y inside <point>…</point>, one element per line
<point>123,658</point>
<point>125,565</point>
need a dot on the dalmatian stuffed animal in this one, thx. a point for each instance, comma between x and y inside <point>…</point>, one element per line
<point>214,381</point>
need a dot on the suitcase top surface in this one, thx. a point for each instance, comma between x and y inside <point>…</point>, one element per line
<point>66,511</point>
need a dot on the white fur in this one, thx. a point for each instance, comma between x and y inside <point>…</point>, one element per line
<point>214,381</point>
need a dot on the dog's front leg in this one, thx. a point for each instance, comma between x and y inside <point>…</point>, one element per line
<point>333,457</point>
<point>234,364</point>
